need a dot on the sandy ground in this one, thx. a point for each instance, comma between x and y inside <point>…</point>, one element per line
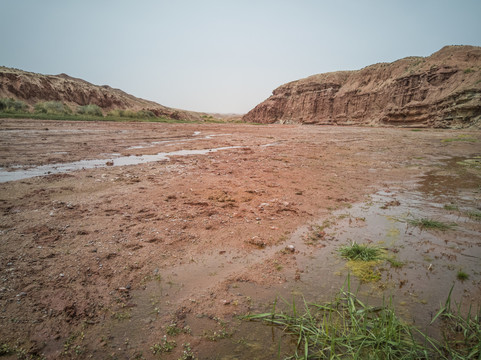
<point>96,263</point>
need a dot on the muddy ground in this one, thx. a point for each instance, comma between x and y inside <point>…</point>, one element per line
<point>119,261</point>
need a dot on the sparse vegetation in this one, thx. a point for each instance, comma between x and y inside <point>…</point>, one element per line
<point>52,108</point>
<point>348,328</point>
<point>431,224</point>
<point>450,207</point>
<point>363,260</point>
<point>475,214</point>
<point>465,138</point>
<point>12,106</point>
<point>56,110</point>
<point>362,252</point>
<point>461,333</point>
<point>164,346</point>
<point>394,262</point>
<point>173,329</point>
<point>6,349</point>
<point>461,275</point>
<point>141,114</point>
<point>91,109</point>
<point>187,354</point>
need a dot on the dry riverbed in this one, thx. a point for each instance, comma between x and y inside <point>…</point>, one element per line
<point>143,240</point>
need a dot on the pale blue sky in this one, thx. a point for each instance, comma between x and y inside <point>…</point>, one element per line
<point>223,56</point>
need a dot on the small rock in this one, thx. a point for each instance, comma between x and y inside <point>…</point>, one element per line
<point>291,248</point>
<point>257,242</point>
<point>225,302</point>
<point>62,275</point>
<point>22,294</point>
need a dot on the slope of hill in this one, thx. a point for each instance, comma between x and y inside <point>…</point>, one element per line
<point>32,88</point>
<point>442,90</point>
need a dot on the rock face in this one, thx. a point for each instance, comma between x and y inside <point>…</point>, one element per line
<point>442,90</point>
<point>32,88</point>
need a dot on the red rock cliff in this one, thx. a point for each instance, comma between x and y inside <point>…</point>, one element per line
<point>442,90</point>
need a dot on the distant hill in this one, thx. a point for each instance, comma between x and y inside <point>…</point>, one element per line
<point>32,88</point>
<point>441,90</point>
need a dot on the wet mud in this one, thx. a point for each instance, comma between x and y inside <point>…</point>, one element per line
<point>158,258</point>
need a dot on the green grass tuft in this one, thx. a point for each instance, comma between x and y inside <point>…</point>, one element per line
<point>450,207</point>
<point>461,275</point>
<point>356,251</point>
<point>394,262</point>
<point>346,328</point>
<point>475,214</point>
<point>465,138</point>
<point>431,224</point>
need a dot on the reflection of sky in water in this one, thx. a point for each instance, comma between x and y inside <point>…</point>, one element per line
<point>97,163</point>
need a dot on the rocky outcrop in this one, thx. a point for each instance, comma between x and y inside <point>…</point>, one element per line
<point>442,90</point>
<point>32,88</point>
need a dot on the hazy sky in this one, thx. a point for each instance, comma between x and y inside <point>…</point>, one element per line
<point>223,56</point>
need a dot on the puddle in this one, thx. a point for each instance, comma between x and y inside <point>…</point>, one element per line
<point>98,163</point>
<point>429,261</point>
<point>177,140</point>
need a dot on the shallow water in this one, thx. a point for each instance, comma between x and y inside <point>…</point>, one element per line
<point>431,258</point>
<point>115,160</point>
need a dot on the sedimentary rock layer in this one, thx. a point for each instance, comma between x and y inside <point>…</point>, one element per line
<point>442,90</point>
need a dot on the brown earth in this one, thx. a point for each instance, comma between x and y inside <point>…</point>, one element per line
<point>33,87</point>
<point>82,254</point>
<point>442,90</point>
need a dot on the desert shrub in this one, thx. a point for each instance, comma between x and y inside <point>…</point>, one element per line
<point>12,105</point>
<point>52,107</point>
<point>145,114</point>
<point>90,109</point>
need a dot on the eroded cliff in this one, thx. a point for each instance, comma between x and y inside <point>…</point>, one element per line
<point>32,88</point>
<point>442,90</point>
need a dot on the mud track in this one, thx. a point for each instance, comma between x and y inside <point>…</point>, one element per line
<point>98,262</point>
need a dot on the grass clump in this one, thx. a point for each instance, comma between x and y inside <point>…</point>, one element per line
<point>141,114</point>
<point>466,138</point>
<point>450,207</point>
<point>52,108</point>
<point>164,346</point>
<point>394,262</point>
<point>461,275</point>
<point>461,333</point>
<point>361,252</point>
<point>90,109</point>
<point>363,260</point>
<point>431,224</point>
<point>174,330</point>
<point>346,328</point>
<point>475,214</point>
<point>8,105</point>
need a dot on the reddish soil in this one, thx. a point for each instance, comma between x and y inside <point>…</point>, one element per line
<point>81,252</point>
